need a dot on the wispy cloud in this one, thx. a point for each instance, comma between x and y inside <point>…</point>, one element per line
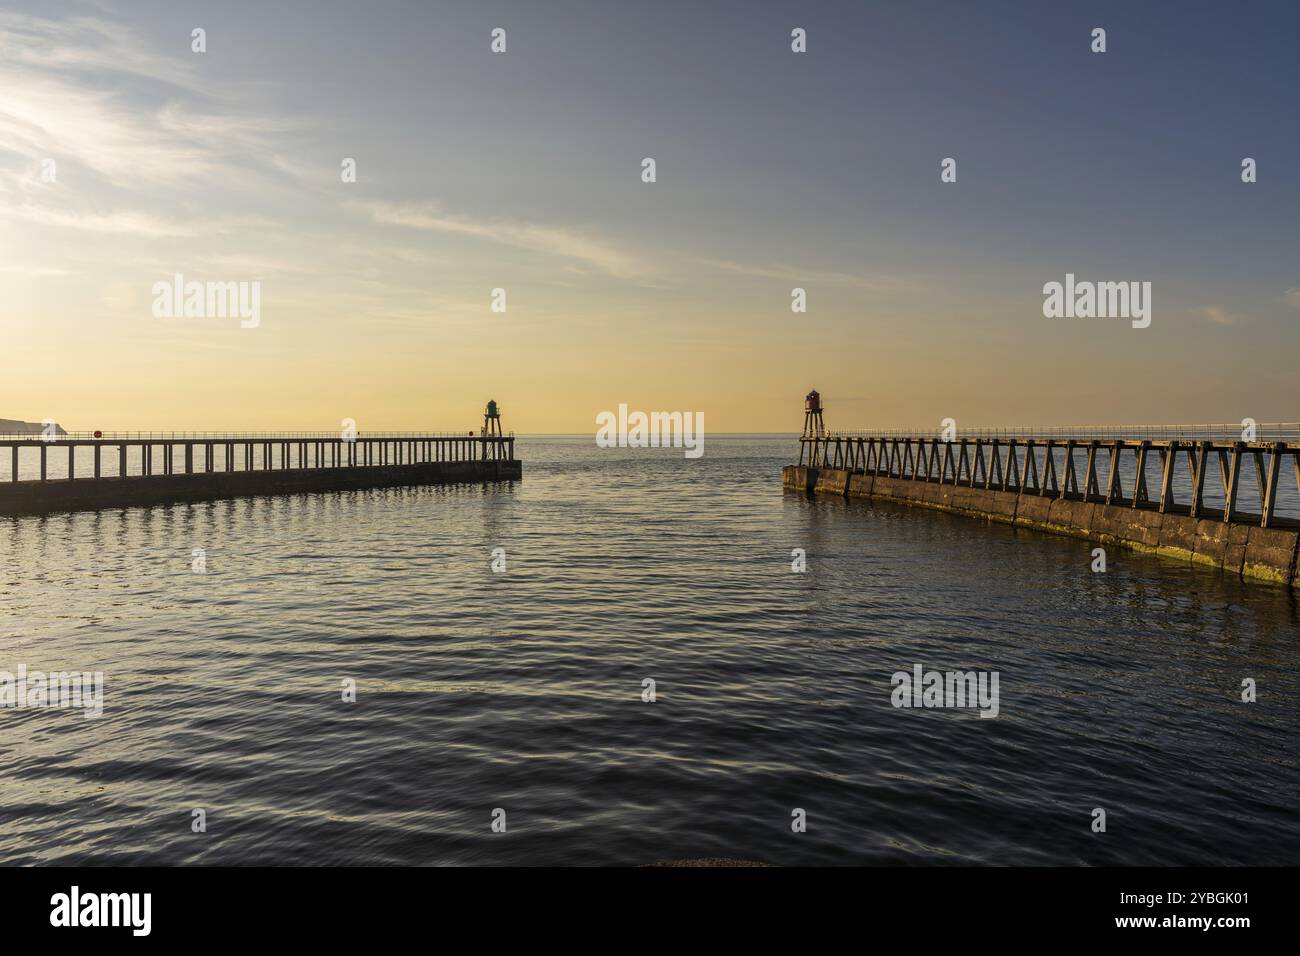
<point>551,240</point>
<point>127,131</point>
<point>125,222</point>
<point>788,273</point>
<point>1292,297</point>
<point>63,95</point>
<point>84,45</point>
<point>1218,315</point>
<point>34,272</point>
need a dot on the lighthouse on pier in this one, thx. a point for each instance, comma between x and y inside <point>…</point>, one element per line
<point>813,426</point>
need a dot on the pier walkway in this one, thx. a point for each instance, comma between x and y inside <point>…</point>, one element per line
<point>1192,492</point>
<point>81,470</point>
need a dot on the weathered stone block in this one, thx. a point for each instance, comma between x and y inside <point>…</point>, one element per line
<point>1270,555</point>
<point>1234,549</point>
<point>1177,537</point>
<point>1033,511</point>
<point>833,481</point>
<point>860,486</point>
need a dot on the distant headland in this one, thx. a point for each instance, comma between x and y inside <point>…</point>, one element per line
<point>11,426</point>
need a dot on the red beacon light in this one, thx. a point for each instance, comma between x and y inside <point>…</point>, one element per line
<point>98,433</point>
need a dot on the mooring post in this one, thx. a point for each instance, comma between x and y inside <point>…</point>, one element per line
<point>43,450</point>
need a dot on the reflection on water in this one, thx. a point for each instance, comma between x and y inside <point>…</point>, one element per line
<point>522,690</point>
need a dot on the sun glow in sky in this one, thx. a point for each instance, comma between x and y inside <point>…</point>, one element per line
<point>522,171</point>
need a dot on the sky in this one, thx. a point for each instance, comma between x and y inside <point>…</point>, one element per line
<point>522,171</point>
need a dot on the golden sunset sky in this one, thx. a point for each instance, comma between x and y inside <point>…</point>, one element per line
<point>522,171</point>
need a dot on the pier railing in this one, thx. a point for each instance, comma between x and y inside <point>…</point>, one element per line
<point>1161,468</point>
<point>1264,431</point>
<point>224,435</point>
<point>82,455</point>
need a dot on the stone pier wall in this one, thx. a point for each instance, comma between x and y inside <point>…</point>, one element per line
<point>1266,554</point>
<point>80,494</point>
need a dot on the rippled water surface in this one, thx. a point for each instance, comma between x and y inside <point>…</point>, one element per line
<point>523,690</point>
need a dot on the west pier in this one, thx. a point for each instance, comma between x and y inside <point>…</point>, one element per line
<point>93,470</point>
<point>1195,493</point>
